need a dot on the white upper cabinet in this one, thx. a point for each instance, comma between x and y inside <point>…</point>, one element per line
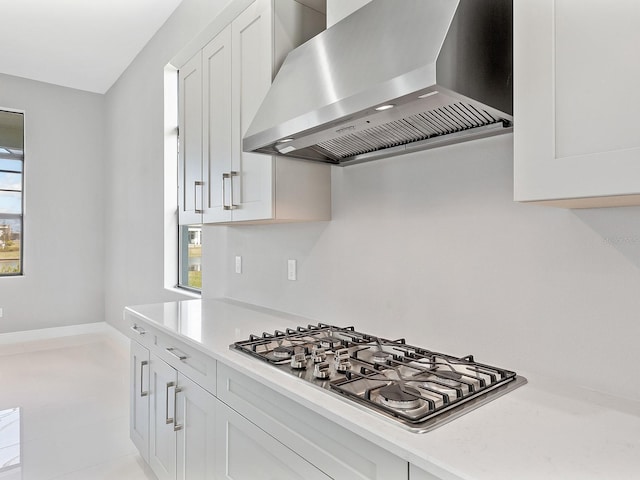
<point>217,126</point>
<point>235,71</point>
<point>252,68</point>
<point>190,183</point>
<point>576,98</point>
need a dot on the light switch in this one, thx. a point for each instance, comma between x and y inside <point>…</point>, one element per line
<point>291,270</point>
<point>238,264</point>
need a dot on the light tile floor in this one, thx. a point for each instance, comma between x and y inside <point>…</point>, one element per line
<point>73,393</point>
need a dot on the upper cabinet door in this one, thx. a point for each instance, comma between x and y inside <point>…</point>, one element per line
<point>252,63</point>
<point>576,98</point>
<point>217,147</point>
<point>190,184</point>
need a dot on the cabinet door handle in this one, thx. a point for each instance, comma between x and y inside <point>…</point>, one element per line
<point>138,330</point>
<point>224,192</point>
<point>231,206</point>
<point>197,184</point>
<point>176,427</point>
<point>142,364</point>
<point>231,175</point>
<point>168,419</point>
<point>174,352</point>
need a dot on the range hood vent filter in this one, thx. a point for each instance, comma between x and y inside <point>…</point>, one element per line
<point>423,126</point>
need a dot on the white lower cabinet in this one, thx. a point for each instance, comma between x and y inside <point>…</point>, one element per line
<point>416,473</point>
<point>245,452</point>
<point>336,451</point>
<point>162,438</point>
<point>172,418</point>
<point>196,417</point>
<point>139,399</point>
<point>184,433</point>
<point>247,432</point>
<point>182,426</point>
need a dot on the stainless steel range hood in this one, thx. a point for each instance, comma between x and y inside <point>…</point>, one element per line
<point>393,77</point>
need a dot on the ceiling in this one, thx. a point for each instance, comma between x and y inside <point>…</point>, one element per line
<point>83,44</point>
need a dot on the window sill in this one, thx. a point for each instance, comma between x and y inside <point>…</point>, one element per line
<point>184,291</point>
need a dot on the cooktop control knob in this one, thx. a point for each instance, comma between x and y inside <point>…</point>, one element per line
<point>299,361</point>
<point>318,354</point>
<point>341,360</point>
<point>321,370</point>
<point>343,367</point>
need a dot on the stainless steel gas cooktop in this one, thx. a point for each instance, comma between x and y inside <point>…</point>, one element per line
<point>419,388</point>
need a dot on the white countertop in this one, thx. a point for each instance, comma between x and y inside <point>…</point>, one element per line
<point>542,430</point>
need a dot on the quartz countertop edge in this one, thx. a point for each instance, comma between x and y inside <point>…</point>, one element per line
<point>544,429</point>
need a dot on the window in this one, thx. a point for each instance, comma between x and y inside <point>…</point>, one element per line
<point>190,256</point>
<point>11,187</point>
<point>183,269</point>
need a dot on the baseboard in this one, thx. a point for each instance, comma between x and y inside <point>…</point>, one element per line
<point>56,332</point>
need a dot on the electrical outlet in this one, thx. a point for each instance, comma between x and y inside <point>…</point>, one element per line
<point>291,270</point>
<point>238,264</point>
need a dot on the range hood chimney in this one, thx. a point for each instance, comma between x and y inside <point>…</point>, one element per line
<point>392,78</point>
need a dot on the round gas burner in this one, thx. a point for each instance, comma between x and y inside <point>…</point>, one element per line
<point>380,357</point>
<point>393,396</point>
<point>283,353</point>
<point>449,378</point>
<point>330,341</point>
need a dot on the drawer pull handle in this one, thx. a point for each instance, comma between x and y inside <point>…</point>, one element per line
<point>142,364</point>
<point>174,352</point>
<point>176,427</point>
<point>138,330</point>
<point>168,419</point>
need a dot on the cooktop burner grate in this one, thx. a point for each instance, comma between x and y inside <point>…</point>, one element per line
<point>419,388</point>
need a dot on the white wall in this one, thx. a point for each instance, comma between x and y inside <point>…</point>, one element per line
<point>63,226</point>
<point>430,246</point>
<point>135,165</point>
<point>338,9</point>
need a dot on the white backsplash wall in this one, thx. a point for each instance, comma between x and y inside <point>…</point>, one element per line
<point>431,246</point>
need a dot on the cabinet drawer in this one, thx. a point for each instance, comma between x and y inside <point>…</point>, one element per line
<point>140,332</point>
<point>194,364</point>
<point>416,473</point>
<point>334,450</point>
